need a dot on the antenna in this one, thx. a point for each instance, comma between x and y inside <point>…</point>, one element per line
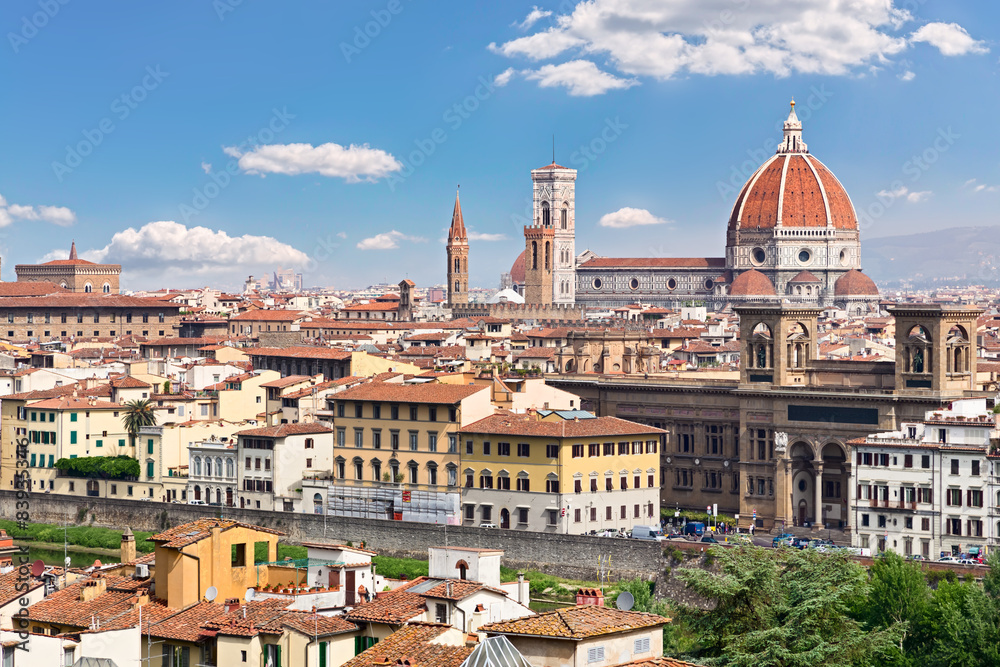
<point>624,601</point>
<point>553,148</point>
<point>211,593</point>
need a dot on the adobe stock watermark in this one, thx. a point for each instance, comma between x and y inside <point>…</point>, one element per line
<point>914,168</point>
<point>364,34</point>
<point>121,108</point>
<point>739,174</point>
<point>453,117</point>
<point>31,25</point>
<point>220,180</point>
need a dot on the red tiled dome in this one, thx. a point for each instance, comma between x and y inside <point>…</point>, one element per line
<point>854,283</point>
<point>752,283</point>
<point>805,277</point>
<point>796,190</point>
<point>517,270</point>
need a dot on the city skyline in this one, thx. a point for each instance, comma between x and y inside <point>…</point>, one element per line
<point>164,140</point>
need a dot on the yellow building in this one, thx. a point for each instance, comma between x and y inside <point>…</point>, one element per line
<point>560,471</point>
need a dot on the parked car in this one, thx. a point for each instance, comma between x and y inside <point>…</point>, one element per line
<point>783,538</point>
<point>197,502</point>
<point>674,535</point>
<point>915,557</point>
<point>968,561</point>
<point>647,533</point>
<point>487,525</point>
<point>694,528</point>
<point>708,539</point>
<point>947,559</point>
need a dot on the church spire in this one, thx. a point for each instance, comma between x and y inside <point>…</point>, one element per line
<point>457,231</point>
<point>72,250</point>
<point>792,130</point>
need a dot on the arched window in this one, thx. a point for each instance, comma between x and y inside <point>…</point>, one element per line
<point>317,503</point>
<point>197,466</point>
<point>230,472</point>
<point>546,219</point>
<point>218,466</point>
<point>534,254</point>
<point>548,262</point>
<point>106,288</point>
<point>88,288</point>
<point>208,467</point>
<point>458,265</point>
<point>565,215</point>
<point>197,493</point>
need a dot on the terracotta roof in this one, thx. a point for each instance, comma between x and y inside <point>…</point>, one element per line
<point>752,283</point>
<point>429,392</point>
<point>12,586</point>
<point>414,642</point>
<point>185,625</point>
<point>129,382</point>
<point>457,230</point>
<point>92,300</point>
<point>580,622</point>
<point>34,288</point>
<point>517,269</point>
<point>195,531</point>
<point>177,341</point>
<point>285,430</point>
<point>808,193</point>
<point>450,351</point>
<point>528,425</point>
<point>286,381</point>
<point>439,335</point>
<point>269,316</point>
<point>300,352</point>
<point>854,283</point>
<point>394,607</point>
<point>75,403</point>
<point>678,262</point>
<point>66,607</point>
<point>805,277</point>
<point>537,353</point>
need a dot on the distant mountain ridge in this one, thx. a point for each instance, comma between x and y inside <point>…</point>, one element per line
<point>953,256</point>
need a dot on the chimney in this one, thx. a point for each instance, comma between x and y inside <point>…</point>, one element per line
<point>93,588</point>
<point>231,604</point>
<point>127,550</point>
<point>590,596</point>
<point>141,597</point>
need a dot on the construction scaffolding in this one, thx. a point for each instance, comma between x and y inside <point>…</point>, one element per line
<point>394,503</point>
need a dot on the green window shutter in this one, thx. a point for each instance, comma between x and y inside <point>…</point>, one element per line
<point>149,446</point>
<point>52,460</point>
<point>45,437</point>
<point>72,416</point>
<point>149,469</point>
<point>322,654</point>
<point>34,416</point>
<point>32,460</point>
<point>277,655</point>
<point>121,442</point>
<point>99,443</point>
<point>72,437</point>
<point>52,416</point>
<point>72,456</point>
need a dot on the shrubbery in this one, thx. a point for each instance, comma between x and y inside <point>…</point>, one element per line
<point>394,567</point>
<point>104,467</point>
<point>82,536</point>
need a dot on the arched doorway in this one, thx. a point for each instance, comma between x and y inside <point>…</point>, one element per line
<point>803,483</point>
<point>197,492</point>
<point>229,497</point>
<point>834,485</point>
<point>505,518</point>
<point>803,515</point>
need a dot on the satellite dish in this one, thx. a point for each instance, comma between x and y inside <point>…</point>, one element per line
<point>250,595</point>
<point>624,601</point>
<point>68,561</point>
<point>37,568</point>
<point>211,593</point>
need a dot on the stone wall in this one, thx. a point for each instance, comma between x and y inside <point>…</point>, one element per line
<point>571,556</point>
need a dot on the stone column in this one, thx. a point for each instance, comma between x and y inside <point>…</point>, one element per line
<point>818,518</point>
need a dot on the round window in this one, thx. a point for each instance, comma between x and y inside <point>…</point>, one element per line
<point>671,283</point>
<point>844,258</point>
<point>758,255</point>
<point>634,283</point>
<point>802,485</point>
<point>804,256</point>
<point>597,283</point>
<point>709,284</point>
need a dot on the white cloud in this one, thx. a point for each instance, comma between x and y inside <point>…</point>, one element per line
<point>662,40</point>
<point>536,14</point>
<point>581,78</point>
<point>169,253</point>
<point>950,39</point>
<point>482,236</point>
<point>974,186</point>
<point>206,167</point>
<point>57,215</point>
<point>903,192</point>
<point>387,241</point>
<point>504,77</point>
<point>352,163</point>
<point>908,75</point>
<point>630,217</point>
<point>341,235</point>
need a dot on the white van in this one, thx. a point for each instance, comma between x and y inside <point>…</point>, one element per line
<point>647,533</point>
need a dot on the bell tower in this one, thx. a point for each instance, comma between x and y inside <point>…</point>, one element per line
<point>554,207</point>
<point>458,258</point>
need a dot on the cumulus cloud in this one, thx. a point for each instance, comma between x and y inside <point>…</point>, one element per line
<point>973,185</point>
<point>482,236</point>
<point>57,215</point>
<point>206,167</point>
<point>950,39</point>
<point>352,163</point>
<point>908,75</point>
<point>534,16</point>
<point>663,40</point>
<point>581,78</point>
<point>630,217</point>
<point>387,241</point>
<point>903,192</point>
<point>169,253</point>
<point>504,77</point>
<point>341,235</point>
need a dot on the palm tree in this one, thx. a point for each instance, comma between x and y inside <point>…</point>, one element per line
<point>139,413</point>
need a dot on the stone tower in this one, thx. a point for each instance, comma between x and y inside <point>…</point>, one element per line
<point>554,206</point>
<point>538,242</point>
<point>127,546</point>
<point>458,258</point>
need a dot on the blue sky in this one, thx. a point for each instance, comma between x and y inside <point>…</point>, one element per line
<point>198,142</point>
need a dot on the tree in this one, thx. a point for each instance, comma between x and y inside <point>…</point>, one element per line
<point>770,608</point>
<point>138,413</point>
<point>898,596</point>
